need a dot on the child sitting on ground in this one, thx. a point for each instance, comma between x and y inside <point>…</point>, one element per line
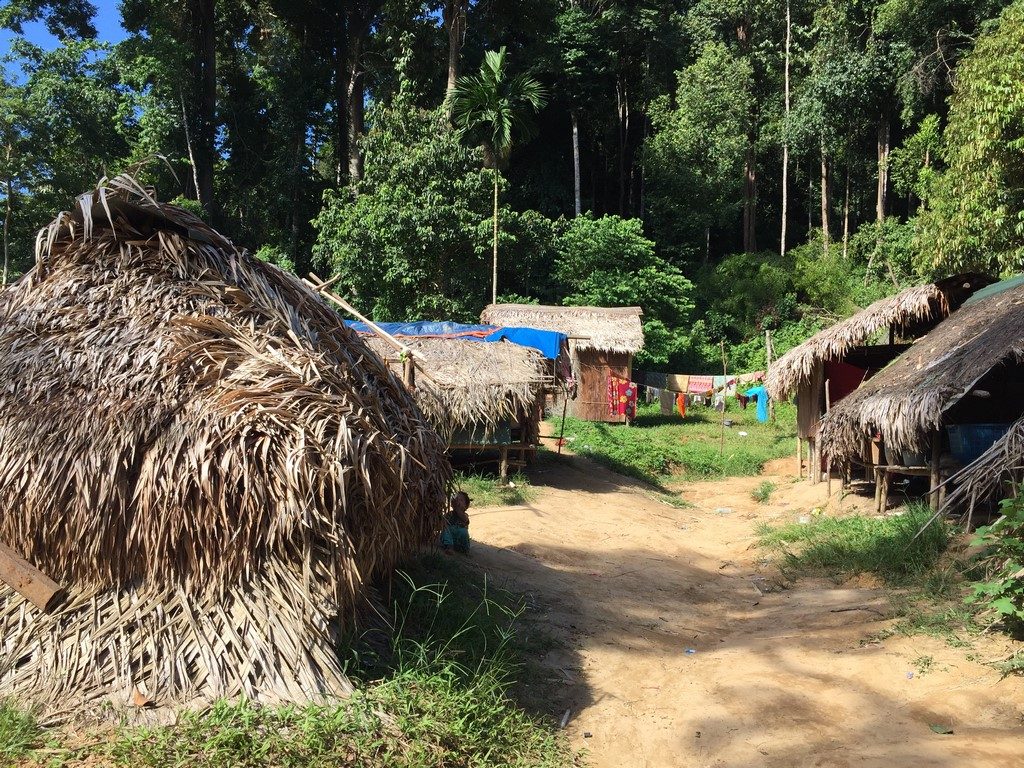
<point>456,531</point>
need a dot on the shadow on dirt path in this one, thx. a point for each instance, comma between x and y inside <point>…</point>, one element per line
<point>675,647</point>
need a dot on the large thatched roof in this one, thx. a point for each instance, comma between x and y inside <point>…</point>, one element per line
<point>469,384</point>
<point>921,304</point>
<point>906,400</point>
<point>197,448</point>
<point>605,329</point>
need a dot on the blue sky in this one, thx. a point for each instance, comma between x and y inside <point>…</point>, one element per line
<point>107,23</point>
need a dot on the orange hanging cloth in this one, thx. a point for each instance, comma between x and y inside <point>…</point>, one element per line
<point>681,404</point>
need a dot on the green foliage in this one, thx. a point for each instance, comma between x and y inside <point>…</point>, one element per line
<point>664,449</point>
<point>19,731</point>
<point>410,241</point>
<point>912,165</point>
<point>889,547</point>
<point>763,493</point>
<point>1002,591</point>
<point>975,217</point>
<point>607,261</point>
<point>696,151</point>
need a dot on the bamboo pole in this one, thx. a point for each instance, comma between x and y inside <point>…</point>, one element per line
<point>725,374</point>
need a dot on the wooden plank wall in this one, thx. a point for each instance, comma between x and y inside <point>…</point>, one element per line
<point>591,403</point>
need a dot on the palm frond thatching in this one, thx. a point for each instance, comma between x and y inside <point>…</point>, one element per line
<point>603,329</point>
<point>194,445</point>
<point>921,302</point>
<point>905,401</point>
<point>468,385</point>
<point>990,474</point>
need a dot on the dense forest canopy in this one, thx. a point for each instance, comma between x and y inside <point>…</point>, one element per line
<point>732,166</point>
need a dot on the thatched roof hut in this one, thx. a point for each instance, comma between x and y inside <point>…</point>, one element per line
<point>599,329</point>
<point>909,310</point>
<point>910,400</point>
<point>921,302</point>
<point>210,462</point>
<point>468,385</point>
<point>602,343</point>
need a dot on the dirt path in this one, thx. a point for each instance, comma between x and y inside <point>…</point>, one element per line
<point>677,653</point>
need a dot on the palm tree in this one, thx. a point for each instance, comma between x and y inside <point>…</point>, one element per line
<point>489,108</point>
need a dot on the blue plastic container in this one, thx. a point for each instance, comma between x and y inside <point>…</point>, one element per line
<point>968,441</point>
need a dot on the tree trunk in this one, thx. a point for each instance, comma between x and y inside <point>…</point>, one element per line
<point>7,214</point>
<point>354,105</point>
<point>494,266</point>
<point>340,108</point>
<point>205,73</point>
<point>623,105</point>
<point>785,139</point>
<point>846,209</point>
<point>576,162</point>
<point>825,201</point>
<point>749,198</point>
<point>883,167</point>
<point>455,23</point>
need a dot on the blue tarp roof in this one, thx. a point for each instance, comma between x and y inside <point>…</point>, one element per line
<point>548,343</point>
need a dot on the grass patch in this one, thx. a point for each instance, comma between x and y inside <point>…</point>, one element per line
<point>763,493</point>
<point>489,491</point>
<point>885,546</point>
<point>19,732</point>
<point>441,696</point>
<point>657,448</point>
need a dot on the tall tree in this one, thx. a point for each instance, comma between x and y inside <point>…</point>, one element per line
<point>491,107</point>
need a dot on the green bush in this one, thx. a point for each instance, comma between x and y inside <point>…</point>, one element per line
<point>1002,591</point>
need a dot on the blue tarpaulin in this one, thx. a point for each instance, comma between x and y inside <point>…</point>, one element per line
<point>548,343</point>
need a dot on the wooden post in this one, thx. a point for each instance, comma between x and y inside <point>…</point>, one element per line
<point>725,375</point>
<point>936,474</point>
<point>799,456</point>
<point>828,464</point>
<point>503,464</point>
<point>769,354</point>
<point>28,581</point>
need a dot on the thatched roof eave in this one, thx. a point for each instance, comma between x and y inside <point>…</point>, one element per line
<point>601,329</point>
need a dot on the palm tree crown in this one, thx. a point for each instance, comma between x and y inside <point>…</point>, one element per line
<point>492,107</point>
<point>489,108</point>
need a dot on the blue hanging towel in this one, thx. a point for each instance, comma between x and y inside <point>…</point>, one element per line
<point>761,395</point>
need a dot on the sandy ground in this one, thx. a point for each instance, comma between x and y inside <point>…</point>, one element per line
<point>677,647</point>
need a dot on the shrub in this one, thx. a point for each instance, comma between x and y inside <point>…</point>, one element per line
<point>1002,591</point>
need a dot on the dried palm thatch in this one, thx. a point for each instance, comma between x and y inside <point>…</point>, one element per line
<point>905,402</point>
<point>195,446</point>
<point>922,302</point>
<point>470,385</point>
<point>989,475</point>
<point>603,329</point>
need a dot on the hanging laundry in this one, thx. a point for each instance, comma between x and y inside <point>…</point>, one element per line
<point>718,383</point>
<point>743,400</point>
<point>700,385</point>
<point>720,402</point>
<point>761,395</point>
<point>621,398</point>
<point>653,379</point>
<point>667,402</point>
<point>681,404</point>
<point>677,382</point>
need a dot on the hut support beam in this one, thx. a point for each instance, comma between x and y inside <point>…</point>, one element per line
<point>936,473</point>
<point>27,580</point>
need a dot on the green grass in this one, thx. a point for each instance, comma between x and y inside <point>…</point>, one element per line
<point>657,449</point>
<point>440,696</point>
<point>19,732</point>
<point>763,493</point>
<point>489,491</point>
<point>840,547</point>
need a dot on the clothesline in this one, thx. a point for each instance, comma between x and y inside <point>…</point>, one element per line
<point>677,392</point>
